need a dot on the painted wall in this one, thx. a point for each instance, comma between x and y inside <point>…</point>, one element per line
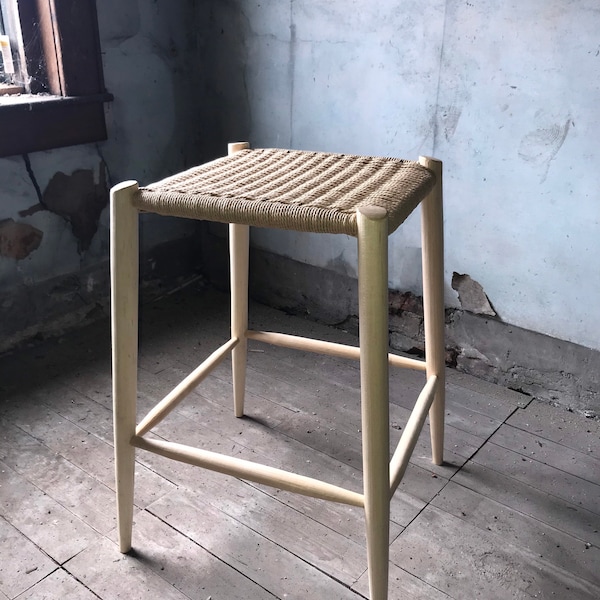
<point>54,240</point>
<point>505,93</point>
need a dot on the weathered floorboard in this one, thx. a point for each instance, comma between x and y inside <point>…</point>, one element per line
<point>512,514</point>
<point>22,564</point>
<point>469,562</point>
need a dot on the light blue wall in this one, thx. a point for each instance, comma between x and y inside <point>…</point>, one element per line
<point>507,94</point>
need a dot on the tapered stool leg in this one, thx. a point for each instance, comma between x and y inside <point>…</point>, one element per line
<point>238,252</point>
<point>124,256</point>
<point>239,241</point>
<point>432,225</point>
<point>373,329</point>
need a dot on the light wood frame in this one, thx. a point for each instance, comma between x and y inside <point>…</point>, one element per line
<point>380,476</point>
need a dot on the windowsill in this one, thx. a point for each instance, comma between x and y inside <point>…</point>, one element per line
<point>12,98</point>
<point>40,101</point>
<point>31,123</point>
<point>9,88</point>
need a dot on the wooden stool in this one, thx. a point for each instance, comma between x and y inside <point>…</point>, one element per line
<point>365,197</point>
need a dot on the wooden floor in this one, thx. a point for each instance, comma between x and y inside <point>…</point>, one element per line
<point>514,513</point>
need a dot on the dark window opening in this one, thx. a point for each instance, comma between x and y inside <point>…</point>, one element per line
<point>57,69</point>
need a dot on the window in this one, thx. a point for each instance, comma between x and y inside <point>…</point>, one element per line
<point>58,67</point>
<point>11,77</point>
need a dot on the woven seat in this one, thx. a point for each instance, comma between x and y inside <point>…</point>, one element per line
<point>361,196</point>
<point>291,189</point>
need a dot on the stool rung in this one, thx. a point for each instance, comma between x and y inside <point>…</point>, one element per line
<point>245,469</point>
<point>330,348</point>
<point>187,385</point>
<point>411,433</point>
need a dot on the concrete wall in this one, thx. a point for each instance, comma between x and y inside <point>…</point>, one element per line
<point>54,205</point>
<point>505,93</point>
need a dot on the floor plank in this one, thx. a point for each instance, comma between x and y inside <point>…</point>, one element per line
<point>543,477</point>
<point>111,575</point>
<point>560,426</point>
<point>22,563</point>
<point>84,450</point>
<point>289,528</point>
<point>468,562</point>
<point>195,572</point>
<point>562,550</point>
<point>49,525</point>
<point>282,572</point>
<point>59,585</point>
<point>404,585</point>
<point>581,464</point>
<point>81,494</point>
<point>529,500</point>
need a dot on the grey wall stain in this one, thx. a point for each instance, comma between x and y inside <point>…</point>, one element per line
<point>448,117</point>
<point>541,145</point>
<point>340,264</point>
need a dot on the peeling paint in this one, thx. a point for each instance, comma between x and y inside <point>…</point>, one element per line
<point>79,200</point>
<point>471,295</point>
<point>18,240</point>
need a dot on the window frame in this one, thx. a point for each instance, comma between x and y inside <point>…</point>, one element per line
<point>63,59</point>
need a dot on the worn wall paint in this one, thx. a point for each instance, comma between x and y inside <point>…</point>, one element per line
<point>18,240</point>
<point>152,68</point>
<point>505,93</point>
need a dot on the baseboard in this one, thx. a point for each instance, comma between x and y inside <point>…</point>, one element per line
<point>538,365</point>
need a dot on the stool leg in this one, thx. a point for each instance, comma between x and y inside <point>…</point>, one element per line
<point>373,324</point>
<point>432,227</point>
<point>239,237</point>
<point>124,251</point>
<point>239,242</point>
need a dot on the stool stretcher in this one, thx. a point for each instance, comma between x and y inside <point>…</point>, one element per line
<point>413,428</point>
<point>251,471</point>
<point>330,348</point>
<point>177,394</point>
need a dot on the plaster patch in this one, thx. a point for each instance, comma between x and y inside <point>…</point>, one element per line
<point>18,240</point>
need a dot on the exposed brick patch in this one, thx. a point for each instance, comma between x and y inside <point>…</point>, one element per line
<point>405,302</point>
<point>406,326</point>
<point>18,240</point>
